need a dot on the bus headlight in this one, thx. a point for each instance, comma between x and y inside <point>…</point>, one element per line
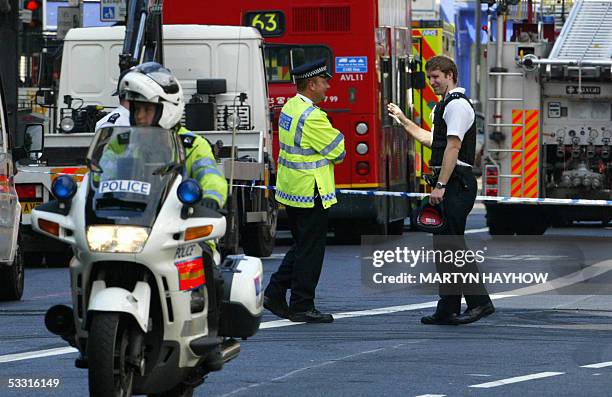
<point>117,238</point>
<point>361,128</point>
<point>362,148</point>
<point>67,124</point>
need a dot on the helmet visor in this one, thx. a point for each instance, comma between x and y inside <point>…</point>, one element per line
<point>160,75</point>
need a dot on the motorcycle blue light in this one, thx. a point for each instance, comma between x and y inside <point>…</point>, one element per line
<point>64,187</point>
<point>189,192</point>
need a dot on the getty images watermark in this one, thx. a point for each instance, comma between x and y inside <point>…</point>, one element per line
<point>459,258</point>
<point>420,264</point>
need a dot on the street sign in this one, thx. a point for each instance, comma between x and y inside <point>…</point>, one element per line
<point>67,18</point>
<point>112,10</point>
<point>25,16</point>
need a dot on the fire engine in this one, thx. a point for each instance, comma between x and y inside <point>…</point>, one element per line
<point>549,118</point>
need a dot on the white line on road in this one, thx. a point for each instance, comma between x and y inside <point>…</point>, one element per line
<point>517,379</point>
<point>576,277</point>
<point>481,230</point>
<point>432,395</point>
<point>37,354</point>
<point>598,365</point>
<point>289,374</point>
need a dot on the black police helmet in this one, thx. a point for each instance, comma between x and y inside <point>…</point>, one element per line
<point>430,218</point>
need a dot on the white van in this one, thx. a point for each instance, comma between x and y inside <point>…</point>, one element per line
<point>11,264</point>
<point>222,72</point>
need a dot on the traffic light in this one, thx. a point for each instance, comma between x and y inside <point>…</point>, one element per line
<point>32,17</point>
<point>36,8</point>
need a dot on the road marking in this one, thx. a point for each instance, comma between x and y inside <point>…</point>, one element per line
<point>598,365</point>
<point>517,379</point>
<point>432,395</point>
<point>297,371</point>
<point>561,282</point>
<point>37,354</point>
<point>481,230</point>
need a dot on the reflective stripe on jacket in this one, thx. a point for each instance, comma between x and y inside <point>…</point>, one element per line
<point>309,148</point>
<point>201,165</point>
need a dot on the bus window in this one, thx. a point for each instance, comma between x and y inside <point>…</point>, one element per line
<point>278,59</point>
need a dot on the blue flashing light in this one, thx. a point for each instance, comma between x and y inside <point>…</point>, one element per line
<point>64,187</point>
<point>189,192</point>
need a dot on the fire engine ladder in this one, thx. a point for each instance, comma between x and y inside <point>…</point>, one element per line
<point>499,75</point>
<point>587,34</point>
<point>585,42</point>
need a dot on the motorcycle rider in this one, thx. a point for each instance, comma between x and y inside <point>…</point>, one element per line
<point>156,99</point>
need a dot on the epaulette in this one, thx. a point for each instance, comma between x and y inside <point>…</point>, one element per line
<point>113,118</point>
<point>188,141</point>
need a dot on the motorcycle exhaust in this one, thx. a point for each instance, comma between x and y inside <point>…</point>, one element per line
<point>59,320</point>
<point>226,351</point>
<point>229,350</point>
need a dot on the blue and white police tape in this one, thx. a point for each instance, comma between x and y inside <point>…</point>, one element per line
<point>509,200</point>
<point>490,199</point>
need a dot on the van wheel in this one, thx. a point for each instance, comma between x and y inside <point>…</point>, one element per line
<point>259,239</point>
<point>12,278</point>
<point>33,259</point>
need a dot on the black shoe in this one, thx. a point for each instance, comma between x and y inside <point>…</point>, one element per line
<point>476,313</point>
<point>311,316</point>
<point>439,319</point>
<point>276,306</point>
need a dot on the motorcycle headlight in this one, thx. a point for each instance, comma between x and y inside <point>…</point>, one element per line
<point>67,124</point>
<point>117,238</point>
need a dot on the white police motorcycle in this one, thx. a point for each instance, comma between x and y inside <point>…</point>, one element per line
<point>154,308</point>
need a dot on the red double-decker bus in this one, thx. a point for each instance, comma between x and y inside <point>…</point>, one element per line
<point>367,44</point>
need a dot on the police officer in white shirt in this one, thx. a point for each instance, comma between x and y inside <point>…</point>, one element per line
<point>453,150</point>
<point>120,117</point>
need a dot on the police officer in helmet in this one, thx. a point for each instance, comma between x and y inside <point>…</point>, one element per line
<point>156,99</point>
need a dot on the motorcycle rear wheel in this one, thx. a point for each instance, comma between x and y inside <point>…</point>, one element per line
<point>107,351</point>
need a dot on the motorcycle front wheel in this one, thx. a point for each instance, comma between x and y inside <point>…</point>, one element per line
<point>107,352</point>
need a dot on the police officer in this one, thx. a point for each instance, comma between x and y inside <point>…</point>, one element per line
<point>120,117</point>
<point>156,99</point>
<point>453,145</point>
<point>309,149</point>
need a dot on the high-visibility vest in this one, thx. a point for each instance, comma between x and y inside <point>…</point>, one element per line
<point>309,148</point>
<point>201,165</point>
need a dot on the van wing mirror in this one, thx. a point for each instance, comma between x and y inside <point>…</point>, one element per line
<point>34,137</point>
<point>45,97</point>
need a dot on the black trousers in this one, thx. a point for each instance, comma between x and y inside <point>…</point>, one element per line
<point>458,201</point>
<point>301,266</point>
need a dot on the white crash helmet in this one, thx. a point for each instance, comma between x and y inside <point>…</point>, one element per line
<point>153,83</point>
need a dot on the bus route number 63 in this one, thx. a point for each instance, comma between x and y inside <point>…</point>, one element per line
<point>269,23</point>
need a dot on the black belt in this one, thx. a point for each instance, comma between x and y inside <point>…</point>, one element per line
<point>459,173</point>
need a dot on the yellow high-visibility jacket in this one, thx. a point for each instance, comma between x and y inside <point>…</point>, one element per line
<point>202,166</point>
<point>309,148</point>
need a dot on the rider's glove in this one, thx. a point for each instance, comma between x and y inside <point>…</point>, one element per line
<point>210,203</point>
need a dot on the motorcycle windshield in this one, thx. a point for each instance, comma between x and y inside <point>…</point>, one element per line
<point>131,170</point>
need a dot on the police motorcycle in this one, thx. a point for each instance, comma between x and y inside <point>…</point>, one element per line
<point>154,307</point>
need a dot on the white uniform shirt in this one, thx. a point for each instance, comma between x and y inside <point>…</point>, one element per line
<point>459,117</point>
<point>120,117</point>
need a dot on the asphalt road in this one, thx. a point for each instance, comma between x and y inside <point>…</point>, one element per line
<point>548,344</point>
